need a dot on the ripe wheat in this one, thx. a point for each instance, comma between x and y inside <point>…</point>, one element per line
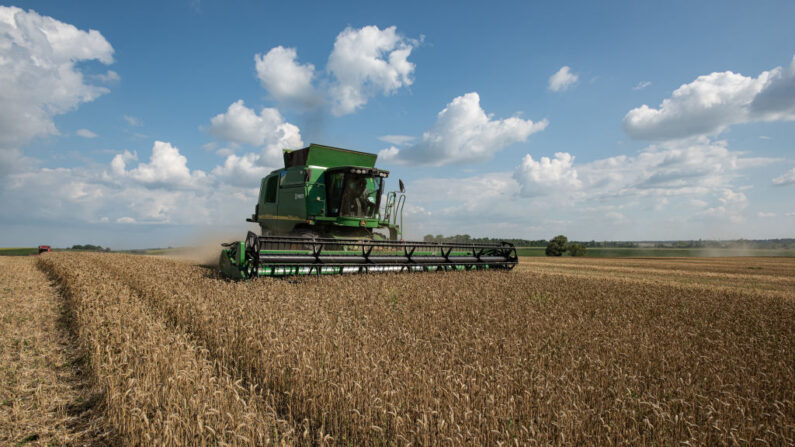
<point>159,387</point>
<point>489,358</point>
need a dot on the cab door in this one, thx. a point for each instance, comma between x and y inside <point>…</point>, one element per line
<point>292,194</point>
<point>268,197</point>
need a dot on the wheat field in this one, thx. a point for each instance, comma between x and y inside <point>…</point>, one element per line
<point>557,352</point>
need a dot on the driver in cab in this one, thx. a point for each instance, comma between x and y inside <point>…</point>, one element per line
<point>361,202</point>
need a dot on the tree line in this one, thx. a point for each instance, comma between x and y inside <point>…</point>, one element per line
<point>467,239</point>
<point>555,247</point>
<point>700,243</point>
<point>89,247</point>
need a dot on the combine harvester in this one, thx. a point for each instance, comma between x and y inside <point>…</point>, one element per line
<point>323,214</point>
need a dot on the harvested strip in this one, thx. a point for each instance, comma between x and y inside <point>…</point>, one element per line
<point>160,389</point>
<point>707,284</point>
<point>780,267</point>
<point>482,358</point>
<point>43,398</point>
<point>775,280</point>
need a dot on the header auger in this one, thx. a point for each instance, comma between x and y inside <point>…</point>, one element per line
<point>323,214</point>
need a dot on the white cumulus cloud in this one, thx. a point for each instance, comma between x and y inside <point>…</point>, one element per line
<point>245,171</point>
<point>788,178</point>
<point>162,190</point>
<point>730,206</point>
<point>547,175</point>
<point>109,76</point>
<point>167,168</point>
<point>470,192</point>
<point>365,62</point>
<point>38,73</point>
<point>463,133</point>
<point>133,121</point>
<point>657,171</point>
<point>40,78</point>
<point>661,190</point>
<point>267,130</point>
<point>714,102</point>
<point>286,80</point>
<point>85,133</point>
<point>562,79</point>
<point>397,140</point>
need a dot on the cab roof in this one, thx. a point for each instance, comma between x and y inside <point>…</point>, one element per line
<point>327,157</point>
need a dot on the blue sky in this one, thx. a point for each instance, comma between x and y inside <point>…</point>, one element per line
<point>148,124</point>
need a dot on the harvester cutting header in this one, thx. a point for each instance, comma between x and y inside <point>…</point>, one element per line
<point>323,213</point>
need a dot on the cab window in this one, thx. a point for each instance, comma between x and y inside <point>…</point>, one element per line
<point>270,190</point>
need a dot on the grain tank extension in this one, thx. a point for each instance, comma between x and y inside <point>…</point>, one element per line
<point>326,212</point>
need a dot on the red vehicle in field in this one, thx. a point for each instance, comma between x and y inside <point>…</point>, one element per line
<point>44,248</point>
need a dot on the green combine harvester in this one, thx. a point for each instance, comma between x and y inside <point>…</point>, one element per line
<point>323,214</point>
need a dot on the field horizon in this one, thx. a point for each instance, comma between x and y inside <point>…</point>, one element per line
<point>523,251</point>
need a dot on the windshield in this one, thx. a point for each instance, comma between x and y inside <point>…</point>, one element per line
<point>353,195</point>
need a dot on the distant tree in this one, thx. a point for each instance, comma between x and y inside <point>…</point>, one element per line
<point>428,238</point>
<point>557,246</point>
<point>87,247</point>
<point>576,249</point>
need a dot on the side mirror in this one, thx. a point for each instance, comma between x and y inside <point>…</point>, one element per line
<point>402,188</point>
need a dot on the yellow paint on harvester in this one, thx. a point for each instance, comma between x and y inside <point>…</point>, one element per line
<point>270,216</point>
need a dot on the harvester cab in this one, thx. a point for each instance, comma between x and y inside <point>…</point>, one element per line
<point>323,213</point>
<point>324,192</point>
